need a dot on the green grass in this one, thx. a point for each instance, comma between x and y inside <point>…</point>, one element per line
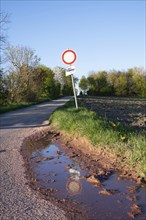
<point>104,134</point>
<point>14,106</point>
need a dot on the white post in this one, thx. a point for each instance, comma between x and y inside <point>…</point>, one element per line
<point>75,96</point>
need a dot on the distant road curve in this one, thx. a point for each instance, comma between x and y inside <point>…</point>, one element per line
<point>17,200</point>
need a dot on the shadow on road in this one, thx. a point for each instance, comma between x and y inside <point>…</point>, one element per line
<point>32,116</point>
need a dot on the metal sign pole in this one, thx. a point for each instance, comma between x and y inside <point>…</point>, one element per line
<point>75,96</point>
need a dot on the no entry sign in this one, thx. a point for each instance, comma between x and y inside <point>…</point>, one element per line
<point>69,57</point>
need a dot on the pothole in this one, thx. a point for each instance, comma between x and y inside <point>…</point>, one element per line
<point>64,178</point>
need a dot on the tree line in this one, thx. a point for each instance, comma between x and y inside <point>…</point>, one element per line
<point>119,83</point>
<point>26,80</point>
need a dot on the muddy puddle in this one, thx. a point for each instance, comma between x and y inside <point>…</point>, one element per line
<point>65,177</point>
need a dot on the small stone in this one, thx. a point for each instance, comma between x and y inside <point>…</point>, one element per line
<point>131,215</point>
<point>132,189</point>
<point>97,185</point>
<point>67,166</point>
<point>58,153</point>
<point>131,198</point>
<point>93,180</point>
<point>135,209</point>
<point>105,192</point>
<point>48,158</point>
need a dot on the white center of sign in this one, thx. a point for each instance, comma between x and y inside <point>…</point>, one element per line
<point>69,57</point>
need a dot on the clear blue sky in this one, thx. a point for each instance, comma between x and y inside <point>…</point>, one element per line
<point>105,34</point>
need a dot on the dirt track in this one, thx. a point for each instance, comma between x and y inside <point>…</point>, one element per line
<point>17,200</point>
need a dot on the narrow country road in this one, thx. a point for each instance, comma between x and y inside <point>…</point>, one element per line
<point>17,200</point>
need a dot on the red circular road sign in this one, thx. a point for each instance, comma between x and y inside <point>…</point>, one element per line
<point>69,56</point>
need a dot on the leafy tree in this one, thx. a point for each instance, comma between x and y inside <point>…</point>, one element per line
<point>22,86</point>
<point>83,84</point>
<point>92,84</point>
<point>51,87</point>
<point>119,83</point>
<point>13,88</point>
<point>131,86</point>
<point>3,89</point>
<point>21,83</point>
<point>140,84</point>
<point>103,87</point>
<point>128,83</point>
<point>98,84</point>
<point>67,88</point>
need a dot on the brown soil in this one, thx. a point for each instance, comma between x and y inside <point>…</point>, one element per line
<point>127,111</point>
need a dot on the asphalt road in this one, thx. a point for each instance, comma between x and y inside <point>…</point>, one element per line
<point>17,200</point>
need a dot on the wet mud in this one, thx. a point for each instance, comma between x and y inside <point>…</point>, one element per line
<point>79,184</point>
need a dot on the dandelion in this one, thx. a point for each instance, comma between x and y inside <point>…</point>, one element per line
<point>123,138</point>
<point>113,124</point>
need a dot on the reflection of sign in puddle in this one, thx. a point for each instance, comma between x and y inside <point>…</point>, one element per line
<point>73,185</point>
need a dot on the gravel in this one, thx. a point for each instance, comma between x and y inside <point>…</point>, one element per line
<point>18,200</point>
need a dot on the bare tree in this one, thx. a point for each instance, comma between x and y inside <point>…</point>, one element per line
<point>21,57</point>
<point>4,20</point>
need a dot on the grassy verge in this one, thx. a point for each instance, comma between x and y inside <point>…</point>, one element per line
<point>103,134</point>
<point>14,106</point>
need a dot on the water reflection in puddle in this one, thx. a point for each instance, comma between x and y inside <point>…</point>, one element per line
<point>111,199</point>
